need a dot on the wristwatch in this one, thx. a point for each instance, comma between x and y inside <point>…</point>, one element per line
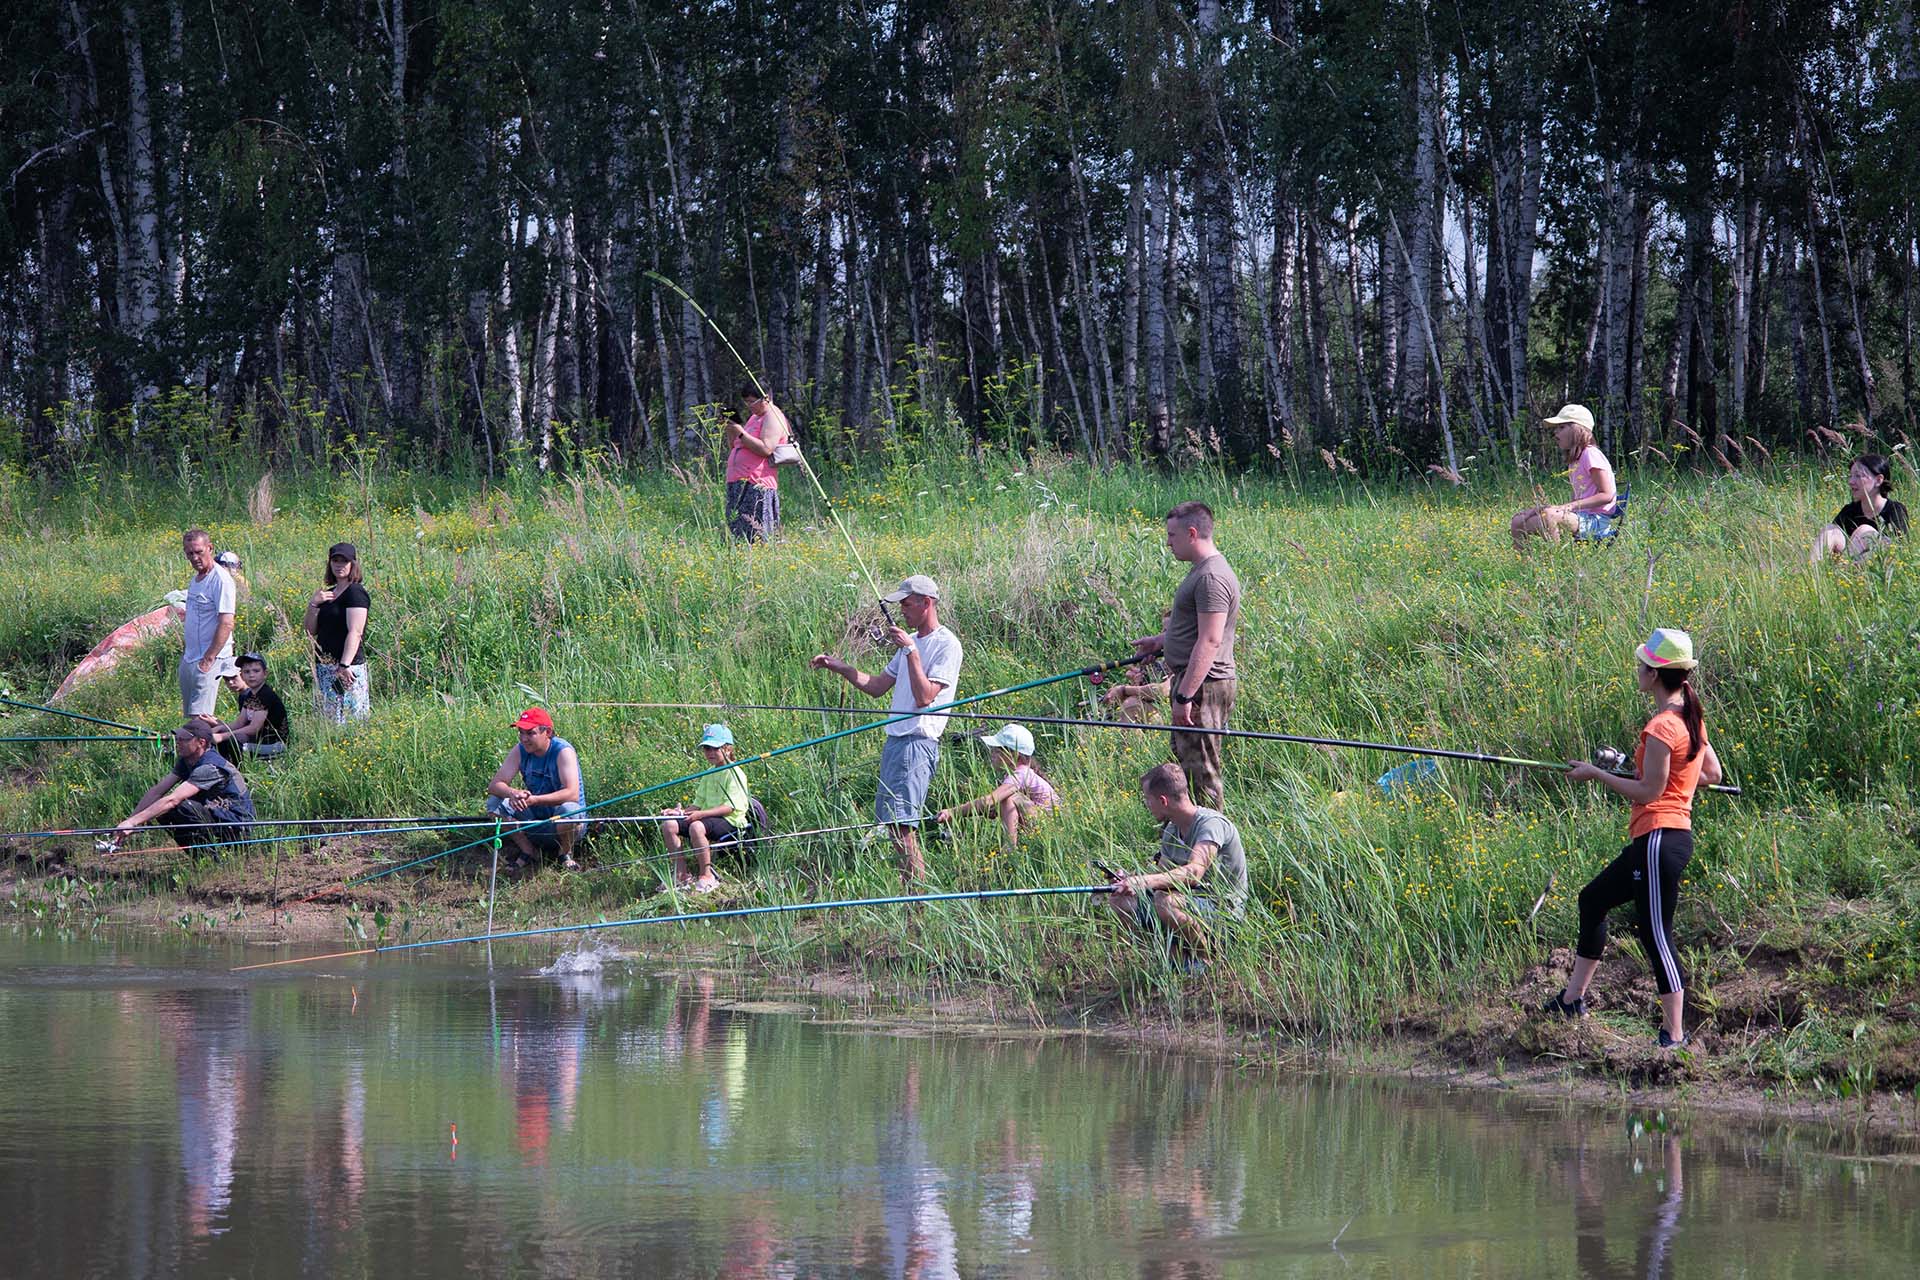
<point>1182,700</point>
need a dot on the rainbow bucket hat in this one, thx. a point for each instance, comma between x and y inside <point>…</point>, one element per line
<point>1667,648</point>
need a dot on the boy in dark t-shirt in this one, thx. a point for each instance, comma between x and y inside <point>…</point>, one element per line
<point>203,797</point>
<point>261,727</point>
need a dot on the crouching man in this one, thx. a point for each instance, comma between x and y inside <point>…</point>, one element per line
<point>204,799</point>
<point>1201,867</point>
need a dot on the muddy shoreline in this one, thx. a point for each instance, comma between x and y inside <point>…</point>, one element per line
<point>1496,1046</point>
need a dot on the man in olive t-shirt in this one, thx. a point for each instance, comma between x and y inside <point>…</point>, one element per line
<point>1200,873</point>
<point>1197,641</point>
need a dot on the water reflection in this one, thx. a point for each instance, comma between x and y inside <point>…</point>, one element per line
<point>1598,1201</point>
<point>613,1125</point>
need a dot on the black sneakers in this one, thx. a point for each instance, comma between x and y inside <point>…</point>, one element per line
<point>1668,1042</point>
<point>1559,1005</point>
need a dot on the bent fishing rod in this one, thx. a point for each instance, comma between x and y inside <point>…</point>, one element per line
<point>785,908</point>
<point>799,455</point>
<point>1352,744</point>
<point>1098,668</point>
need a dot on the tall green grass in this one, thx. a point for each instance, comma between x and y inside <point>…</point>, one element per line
<point>1389,613</point>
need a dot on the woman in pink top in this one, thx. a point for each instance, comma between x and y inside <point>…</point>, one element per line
<point>753,481</point>
<point>1022,796</point>
<point>1591,513</point>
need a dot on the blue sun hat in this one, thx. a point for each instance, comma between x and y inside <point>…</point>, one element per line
<point>717,735</point>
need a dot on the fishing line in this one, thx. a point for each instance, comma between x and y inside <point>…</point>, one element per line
<point>936,709</point>
<point>1477,757</point>
<point>799,454</point>
<point>971,895</point>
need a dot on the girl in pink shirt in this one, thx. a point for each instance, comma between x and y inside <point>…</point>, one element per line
<point>1022,796</point>
<point>1591,513</point>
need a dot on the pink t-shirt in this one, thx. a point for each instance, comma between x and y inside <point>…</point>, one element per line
<point>1033,786</point>
<point>1581,472</point>
<point>744,464</point>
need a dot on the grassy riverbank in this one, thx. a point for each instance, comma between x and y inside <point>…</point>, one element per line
<point>1387,613</point>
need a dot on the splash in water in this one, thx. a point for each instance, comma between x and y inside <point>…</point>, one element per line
<point>593,958</point>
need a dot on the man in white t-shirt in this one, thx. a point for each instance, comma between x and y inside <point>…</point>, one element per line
<point>209,630</point>
<point>924,672</point>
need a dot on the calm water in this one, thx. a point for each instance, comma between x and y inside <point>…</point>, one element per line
<point>164,1117</point>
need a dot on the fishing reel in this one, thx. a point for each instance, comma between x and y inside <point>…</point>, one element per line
<point>1612,759</point>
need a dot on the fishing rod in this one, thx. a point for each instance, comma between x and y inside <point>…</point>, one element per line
<point>149,738</point>
<point>687,849</point>
<point>937,709</point>
<point>971,895</point>
<point>1477,757</point>
<point>799,456</point>
<point>507,825</point>
<point>258,822</point>
<point>75,715</point>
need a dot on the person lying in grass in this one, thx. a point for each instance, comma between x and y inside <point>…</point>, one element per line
<point>1672,760</point>
<point>1591,513</point>
<point>1203,866</point>
<point>720,814</point>
<point>1863,525</point>
<point>1022,796</point>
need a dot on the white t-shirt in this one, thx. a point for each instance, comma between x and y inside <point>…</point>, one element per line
<point>208,596</point>
<point>940,655</point>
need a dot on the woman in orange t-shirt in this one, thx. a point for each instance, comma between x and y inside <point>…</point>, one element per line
<point>1672,760</point>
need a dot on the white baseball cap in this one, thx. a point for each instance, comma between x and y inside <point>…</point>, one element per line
<point>918,585</point>
<point>1013,737</point>
<point>1577,414</point>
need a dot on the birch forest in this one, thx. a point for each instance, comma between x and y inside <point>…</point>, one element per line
<point>1393,232</point>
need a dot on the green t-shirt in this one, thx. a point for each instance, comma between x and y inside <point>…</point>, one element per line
<point>728,787</point>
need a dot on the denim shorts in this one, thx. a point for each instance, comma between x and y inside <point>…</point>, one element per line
<point>534,813</point>
<point>906,771</point>
<point>1593,525</point>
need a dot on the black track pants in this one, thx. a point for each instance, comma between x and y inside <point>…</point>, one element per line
<point>1647,874</point>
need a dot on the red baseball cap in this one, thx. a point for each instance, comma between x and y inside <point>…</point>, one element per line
<point>534,718</point>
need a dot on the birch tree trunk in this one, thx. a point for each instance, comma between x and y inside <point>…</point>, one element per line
<point>1130,310</point>
<point>1153,283</point>
<point>1214,200</point>
<point>1414,252</point>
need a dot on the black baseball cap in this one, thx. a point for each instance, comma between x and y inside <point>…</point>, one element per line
<point>253,657</point>
<point>342,551</point>
<point>197,729</point>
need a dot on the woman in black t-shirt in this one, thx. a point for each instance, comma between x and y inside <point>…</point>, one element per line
<point>1871,518</point>
<point>337,621</point>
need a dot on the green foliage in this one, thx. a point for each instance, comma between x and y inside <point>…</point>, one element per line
<point>1398,615</point>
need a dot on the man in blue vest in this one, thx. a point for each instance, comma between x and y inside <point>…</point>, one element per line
<point>549,771</point>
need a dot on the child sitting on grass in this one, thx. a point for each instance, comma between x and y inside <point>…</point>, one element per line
<point>1022,795</point>
<point>720,814</point>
